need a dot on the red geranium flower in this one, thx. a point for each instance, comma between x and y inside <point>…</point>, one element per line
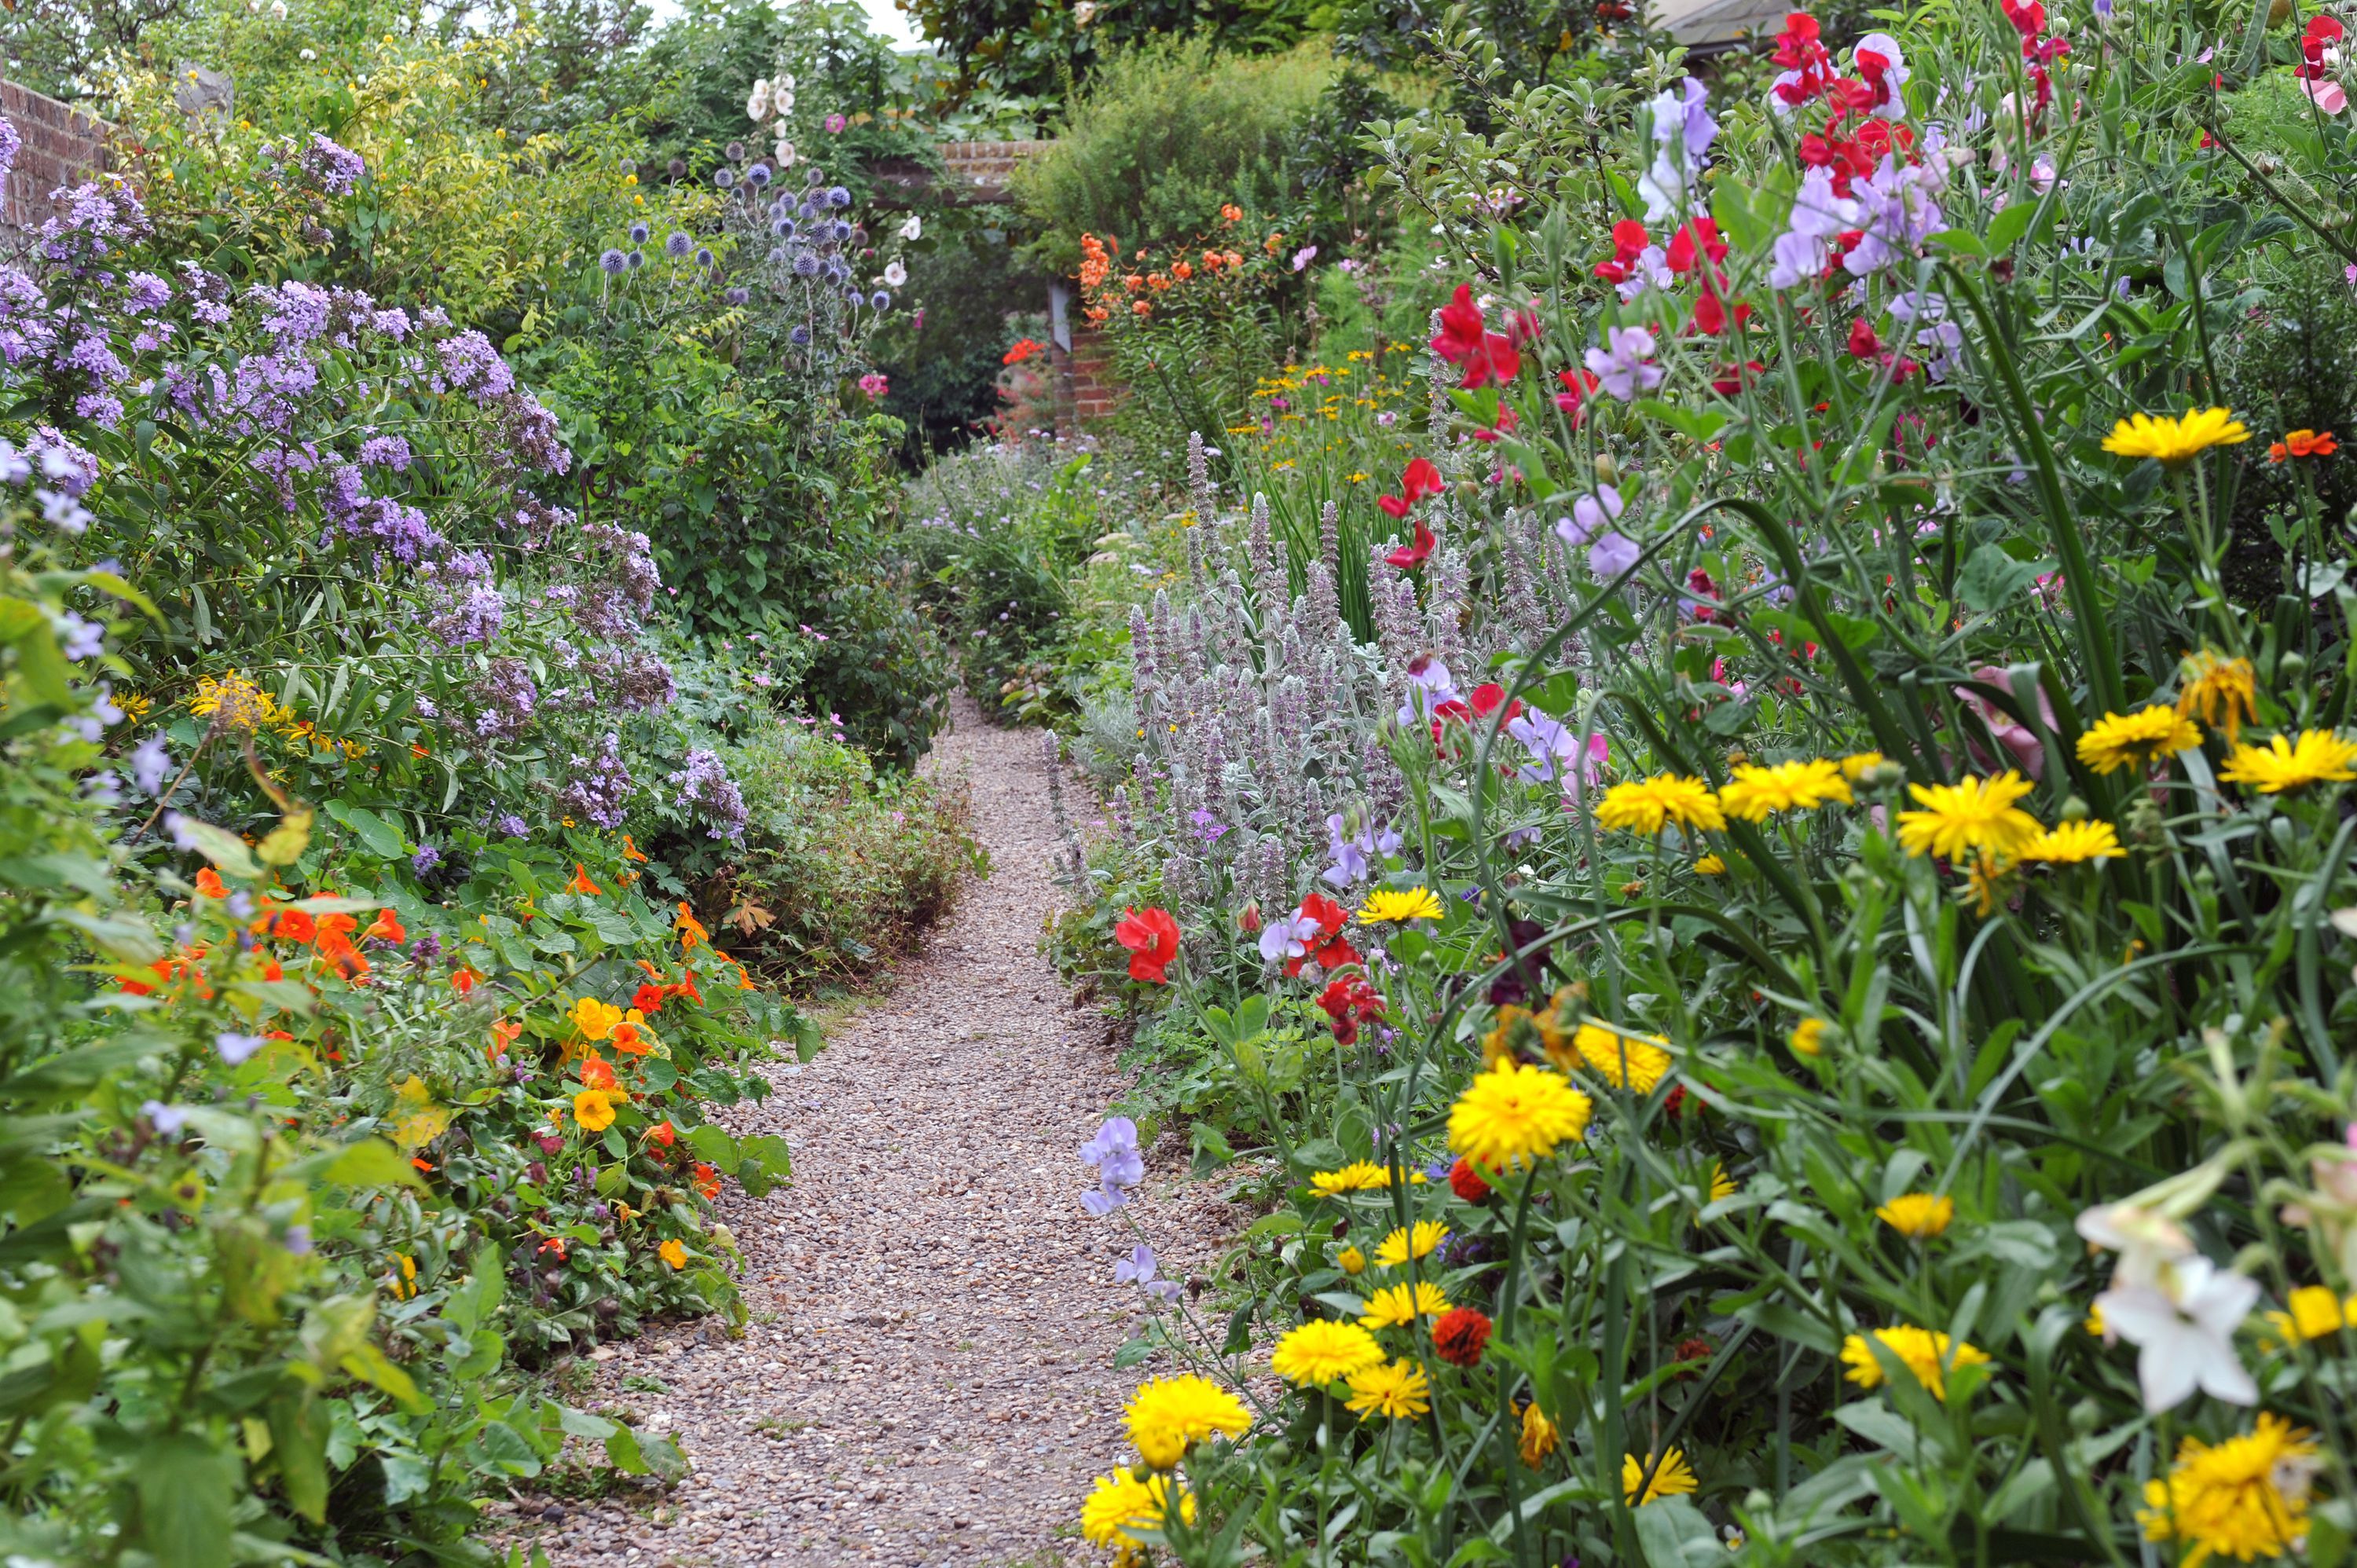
<point>1467,1183</point>
<point>1459,1335</point>
<point>1152,937</point>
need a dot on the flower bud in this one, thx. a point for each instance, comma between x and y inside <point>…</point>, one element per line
<point>1607,470</point>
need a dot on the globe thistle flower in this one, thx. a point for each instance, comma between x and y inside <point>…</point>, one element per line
<point>778,255</point>
<point>724,177</point>
<point>783,228</point>
<point>880,300</point>
<point>678,243</point>
<point>613,262</point>
<point>734,151</point>
<point>806,266</point>
<point>636,258</point>
<point>800,336</point>
<point>737,296</point>
<point>836,196</point>
<point>703,256</point>
<point>639,233</point>
<point>676,168</point>
<point>758,175</point>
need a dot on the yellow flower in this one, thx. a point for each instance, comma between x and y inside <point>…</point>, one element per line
<point>1918,1216</point>
<point>1121,1503</point>
<point>2318,757</point>
<point>1402,1244</point>
<point>2245,1498</point>
<point>1646,805</point>
<point>2175,441</point>
<point>1971,814</point>
<point>2316,1313</point>
<point>1396,1388</point>
<point>1808,1037</point>
<point>1513,1114</point>
<point>1710,866</point>
<point>1394,1306</point>
<point>135,707</point>
<point>2072,843</point>
<point>595,1019</point>
<point>2094,1323</point>
<point>1351,1261</point>
<point>236,702</point>
<point>1622,1060</point>
<point>1858,764</point>
<point>1321,1351</point>
<point>1756,793</point>
<point>2138,739</point>
<point>1672,1478</point>
<point>1359,1176</point>
<point>1168,1415</point>
<point>1926,1354</point>
<point>593,1110</point>
<point>672,1252</point>
<point>2221,692</point>
<point>1390,905</point>
<point>1721,1184</point>
<point>1539,1437</point>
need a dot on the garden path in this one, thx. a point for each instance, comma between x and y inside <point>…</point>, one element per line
<point>927,1378</point>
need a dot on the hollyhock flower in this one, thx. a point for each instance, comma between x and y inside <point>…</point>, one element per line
<point>2024,747</point>
<point>874,384</point>
<point>1152,938</point>
<point>1119,1164</point>
<point>1620,367</point>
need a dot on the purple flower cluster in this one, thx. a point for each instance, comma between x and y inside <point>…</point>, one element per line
<point>600,787</point>
<point>338,169</point>
<point>708,794</point>
<point>504,699</point>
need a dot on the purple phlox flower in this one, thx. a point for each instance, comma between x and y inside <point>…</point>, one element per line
<point>168,1119</point>
<point>145,293</point>
<point>64,465</point>
<point>1286,937</point>
<point>336,169</point>
<point>235,1047</point>
<point>1590,515</point>
<point>706,791</point>
<point>181,829</point>
<point>1620,365</point>
<point>1613,554</point>
<point>1114,1154</point>
<point>512,826</point>
<point>427,858</point>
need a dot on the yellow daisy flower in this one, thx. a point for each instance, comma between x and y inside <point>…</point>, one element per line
<point>1359,1176</point>
<point>1647,805</point>
<point>2318,757</point>
<point>1514,1113</point>
<point>1710,866</point>
<point>1755,793</point>
<point>1970,814</point>
<point>1808,1037</point>
<point>1168,1416</point>
<point>1622,1060</point>
<point>2175,441</point>
<point>1392,906</point>
<point>1538,1437</point>
<point>1121,1503</point>
<point>2316,1313</point>
<point>1918,1216</point>
<point>2138,739</point>
<point>2072,843</point>
<point>1858,764</point>
<point>1319,1352</point>
<point>2245,1498</point>
<point>1351,1261</point>
<point>1672,1478</point>
<point>1394,1306</point>
<point>1928,1354</point>
<point>1395,1388</point>
<point>2221,692</point>
<point>1402,1244</point>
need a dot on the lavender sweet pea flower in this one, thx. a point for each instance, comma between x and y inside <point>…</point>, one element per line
<point>168,1119</point>
<point>1590,515</point>
<point>1547,740</point>
<point>1349,860</point>
<point>1613,554</point>
<point>151,764</point>
<point>1620,366</point>
<point>1288,937</point>
<point>236,1047</point>
<point>298,1241</point>
<point>1119,1165</point>
<point>1138,1268</point>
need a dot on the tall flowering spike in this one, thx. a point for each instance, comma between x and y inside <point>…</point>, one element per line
<point>1199,479</point>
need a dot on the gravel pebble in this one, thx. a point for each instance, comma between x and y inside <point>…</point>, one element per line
<point>927,1378</point>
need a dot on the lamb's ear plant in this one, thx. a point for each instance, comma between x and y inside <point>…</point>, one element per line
<point>1886,1101</point>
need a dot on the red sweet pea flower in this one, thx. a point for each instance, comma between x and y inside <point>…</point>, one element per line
<point>1459,1335</point>
<point>1710,313</point>
<point>1467,1183</point>
<point>1420,479</point>
<point>1152,937</point>
<point>1464,341</point>
<point>1331,917</point>
<point>1409,556</point>
<point>1863,343</point>
<point>1629,242</point>
<point>1507,421</point>
<point>1351,1001</point>
<point>1576,385</point>
<point>1700,236</point>
<point>1732,378</point>
<point>1486,697</point>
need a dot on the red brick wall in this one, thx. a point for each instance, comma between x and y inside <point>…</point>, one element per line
<point>1095,388</point>
<point>63,147</point>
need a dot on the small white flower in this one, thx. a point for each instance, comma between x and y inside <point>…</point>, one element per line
<point>785,153</point>
<point>2183,1328</point>
<point>895,276</point>
<point>913,229</point>
<point>310,54</point>
<point>1084,13</point>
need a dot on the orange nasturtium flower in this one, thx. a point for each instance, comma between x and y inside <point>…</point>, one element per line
<point>672,1252</point>
<point>599,1073</point>
<point>465,980</point>
<point>691,929</point>
<point>2303,443</point>
<point>581,883</point>
<point>631,850</point>
<point>503,1035</point>
<point>593,1111</point>
<point>707,1180</point>
<point>387,924</point>
<point>208,883</point>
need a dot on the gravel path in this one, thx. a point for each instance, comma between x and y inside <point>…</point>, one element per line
<point>927,1378</point>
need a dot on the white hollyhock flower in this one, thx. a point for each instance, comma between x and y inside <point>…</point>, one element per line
<point>785,153</point>
<point>756,107</point>
<point>782,100</point>
<point>895,276</point>
<point>913,229</point>
<point>2183,1328</point>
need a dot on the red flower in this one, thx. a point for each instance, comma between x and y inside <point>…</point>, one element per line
<point>1464,341</point>
<point>1507,421</point>
<point>1420,479</point>
<point>1629,242</point>
<point>649,998</point>
<point>1351,1001</point>
<point>1486,697</point>
<point>1459,1335</point>
<point>1576,385</point>
<point>1407,558</point>
<point>1467,1183</point>
<point>1732,378</point>
<point>1710,312</point>
<point>1331,917</point>
<point>707,1181</point>
<point>387,924</point>
<point>1863,343</point>
<point>293,925</point>
<point>662,1132</point>
<point>1024,348</point>
<point>1700,235</point>
<point>1152,938</point>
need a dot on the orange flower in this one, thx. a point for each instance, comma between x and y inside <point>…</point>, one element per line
<point>554,1244</point>
<point>652,973</point>
<point>691,931</point>
<point>631,850</point>
<point>417,748</point>
<point>629,1040</point>
<point>208,883</point>
<point>1157,283</point>
<point>420,1162</point>
<point>581,883</point>
<point>465,980</point>
<point>2303,443</point>
<point>662,1132</point>
<point>292,925</point>
<point>1230,213</point>
<point>598,1072</point>
<point>707,1180</point>
<point>336,925</point>
<point>687,987</point>
<point>273,970</point>
<point>1182,270</point>
<point>1098,314</point>
<point>672,1252</point>
<point>1133,282</point>
<point>1141,309</point>
<point>503,1035</point>
<point>336,950</point>
<point>387,924</point>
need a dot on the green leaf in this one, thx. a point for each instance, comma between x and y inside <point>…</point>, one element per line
<point>1960,242</point>
<point>2009,226</point>
<point>380,837</point>
<point>714,1145</point>
<point>1675,1534</point>
<point>298,1442</point>
<point>371,1366</point>
<point>221,846</point>
<point>187,1489</point>
<point>1699,424</point>
<point>1991,579</point>
<point>501,1447</point>
<point>372,1162</point>
<point>763,1161</point>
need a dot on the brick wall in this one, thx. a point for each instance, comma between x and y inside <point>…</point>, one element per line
<point>981,168</point>
<point>63,147</point>
<point>1095,388</point>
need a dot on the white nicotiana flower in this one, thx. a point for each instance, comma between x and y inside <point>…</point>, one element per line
<point>1084,13</point>
<point>895,274</point>
<point>2147,1240</point>
<point>278,9</point>
<point>2183,1328</point>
